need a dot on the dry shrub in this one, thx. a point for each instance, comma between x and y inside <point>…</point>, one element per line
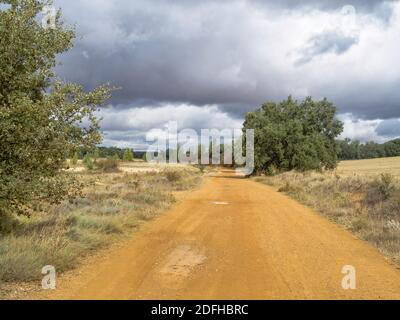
<point>108,165</point>
<point>172,175</point>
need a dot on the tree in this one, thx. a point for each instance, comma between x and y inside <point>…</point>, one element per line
<point>41,118</point>
<point>349,150</point>
<point>128,155</point>
<point>294,135</point>
<point>392,148</point>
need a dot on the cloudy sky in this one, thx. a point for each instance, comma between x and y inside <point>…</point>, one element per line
<point>206,63</point>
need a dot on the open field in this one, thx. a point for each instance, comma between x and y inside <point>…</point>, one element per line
<point>370,166</point>
<point>363,196</point>
<point>137,166</point>
<point>114,206</point>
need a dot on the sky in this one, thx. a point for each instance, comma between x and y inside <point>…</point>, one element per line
<point>206,63</point>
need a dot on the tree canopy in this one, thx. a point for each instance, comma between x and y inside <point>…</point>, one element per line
<point>295,135</point>
<point>354,150</point>
<point>42,120</point>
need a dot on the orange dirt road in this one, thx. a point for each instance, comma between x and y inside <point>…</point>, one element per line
<point>235,239</point>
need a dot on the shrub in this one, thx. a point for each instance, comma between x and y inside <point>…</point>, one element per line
<point>108,165</point>
<point>359,224</point>
<point>289,188</point>
<point>172,176</point>
<point>128,155</point>
<point>380,189</point>
<point>271,170</point>
<point>74,160</point>
<point>385,185</point>
<point>88,162</point>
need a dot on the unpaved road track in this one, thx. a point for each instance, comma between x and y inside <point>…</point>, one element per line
<point>235,239</point>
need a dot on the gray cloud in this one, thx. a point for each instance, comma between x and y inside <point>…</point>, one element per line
<point>365,5</point>
<point>328,42</point>
<point>234,55</point>
<point>389,128</point>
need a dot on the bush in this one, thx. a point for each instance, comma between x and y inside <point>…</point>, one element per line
<point>380,189</point>
<point>74,160</point>
<point>88,162</point>
<point>289,188</point>
<point>172,176</point>
<point>108,165</point>
<point>385,185</point>
<point>128,155</point>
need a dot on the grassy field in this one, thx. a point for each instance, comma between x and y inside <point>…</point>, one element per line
<point>113,207</point>
<point>363,196</point>
<point>370,167</point>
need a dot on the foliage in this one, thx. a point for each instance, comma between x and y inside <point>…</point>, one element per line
<point>354,150</point>
<point>385,185</point>
<point>128,155</point>
<point>40,117</point>
<point>295,135</point>
<point>88,162</point>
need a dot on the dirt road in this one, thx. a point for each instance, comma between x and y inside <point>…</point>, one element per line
<point>235,239</point>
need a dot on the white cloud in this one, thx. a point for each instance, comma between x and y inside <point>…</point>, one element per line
<point>362,130</point>
<point>129,127</point>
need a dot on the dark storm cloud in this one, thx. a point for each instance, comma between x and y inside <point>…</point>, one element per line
<point>231,54</point>
<point>329,42</point>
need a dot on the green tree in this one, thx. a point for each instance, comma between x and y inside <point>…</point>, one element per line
<point>128,155</point>
<point>349,150</point>
<point>392,148</point>
<point>40,116</point>
<point>295,135</point>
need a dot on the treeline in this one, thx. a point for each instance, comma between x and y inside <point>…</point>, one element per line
<point>107,152</point>
<point>353,150</point>
<point>347,150</point>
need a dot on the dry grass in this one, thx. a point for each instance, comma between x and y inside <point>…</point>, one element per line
<point>114,206</point>
<point>137,166</point>
<point>370,167</point>
<point>363,196</point>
